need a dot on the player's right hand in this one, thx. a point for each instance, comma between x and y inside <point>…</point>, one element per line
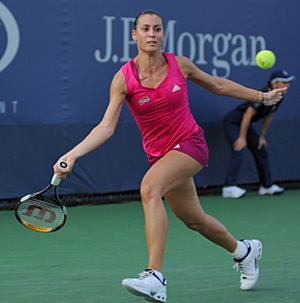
<point>61,171</point>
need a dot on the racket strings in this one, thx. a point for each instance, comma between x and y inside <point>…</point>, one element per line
<point>41,213</point>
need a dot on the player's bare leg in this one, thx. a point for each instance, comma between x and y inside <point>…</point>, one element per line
<point>185,204</point>
<point>173,170</point>
<point>168,173</point>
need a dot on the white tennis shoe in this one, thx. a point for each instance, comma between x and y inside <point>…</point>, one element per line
<point>272,190</point>
<point>147,285</point>
<point>233,192</point>
<point>248,266</point>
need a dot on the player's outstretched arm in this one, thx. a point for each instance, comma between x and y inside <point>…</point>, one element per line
<point>103,131</point>
<point>226,87</point>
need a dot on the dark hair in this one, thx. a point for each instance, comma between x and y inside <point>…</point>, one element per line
<point>146,12</point>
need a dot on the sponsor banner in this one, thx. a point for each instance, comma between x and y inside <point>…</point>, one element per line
<point>57,58</point>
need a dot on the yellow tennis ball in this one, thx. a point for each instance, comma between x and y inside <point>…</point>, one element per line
<point>265,59</point>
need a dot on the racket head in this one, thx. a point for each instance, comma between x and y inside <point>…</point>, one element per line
<point>41,213</point>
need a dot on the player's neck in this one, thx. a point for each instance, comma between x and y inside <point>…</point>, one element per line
<point>147,65</point>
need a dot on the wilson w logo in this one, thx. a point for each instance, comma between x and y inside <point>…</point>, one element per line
<point>40,213</point>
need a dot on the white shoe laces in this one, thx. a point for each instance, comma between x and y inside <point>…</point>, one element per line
<point>145,274</point>
<point>239,267</point>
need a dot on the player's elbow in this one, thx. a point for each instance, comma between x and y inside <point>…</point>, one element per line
<point>217,87</point>
<point>109,132</point>
<point>106,131</point>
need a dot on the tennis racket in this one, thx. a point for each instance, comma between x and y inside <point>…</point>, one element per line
<point>41,212</point>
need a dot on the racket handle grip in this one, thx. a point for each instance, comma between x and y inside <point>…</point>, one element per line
<point>55,179</point>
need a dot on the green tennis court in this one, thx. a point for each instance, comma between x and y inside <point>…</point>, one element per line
<point>101,245</point>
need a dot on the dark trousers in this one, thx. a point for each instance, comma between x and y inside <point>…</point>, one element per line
<point>261,157</point>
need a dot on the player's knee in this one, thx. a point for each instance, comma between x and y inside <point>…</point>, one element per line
<point>148,192</point>
<point>196,225</point>
<point>196,222</point>
<point>193,226</point>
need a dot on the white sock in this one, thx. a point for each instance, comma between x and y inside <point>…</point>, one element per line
<point>240,251</point>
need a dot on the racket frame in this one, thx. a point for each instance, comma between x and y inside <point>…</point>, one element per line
<point>54,183</point>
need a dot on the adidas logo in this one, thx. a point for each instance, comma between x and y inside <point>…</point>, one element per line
<point>175,88</point>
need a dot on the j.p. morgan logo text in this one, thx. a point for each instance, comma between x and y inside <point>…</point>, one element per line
<point>12,37</point>
<point>220,50</point>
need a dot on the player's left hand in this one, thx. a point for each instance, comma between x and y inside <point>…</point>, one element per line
<point>274,96</point>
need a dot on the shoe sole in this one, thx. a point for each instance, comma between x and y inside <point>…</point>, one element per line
<point>274,194</point>
<point>230,196</point>
<point>140,293</point>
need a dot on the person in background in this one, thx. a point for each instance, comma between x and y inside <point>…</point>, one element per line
<point>241,134</point>
<point>153,83</point>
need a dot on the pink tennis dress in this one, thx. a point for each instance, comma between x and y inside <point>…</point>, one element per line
<point>163,114</point>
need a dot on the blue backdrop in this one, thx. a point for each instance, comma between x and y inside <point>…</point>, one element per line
<point>57,58</point>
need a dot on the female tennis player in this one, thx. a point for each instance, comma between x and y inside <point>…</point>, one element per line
<point>154,87</point>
